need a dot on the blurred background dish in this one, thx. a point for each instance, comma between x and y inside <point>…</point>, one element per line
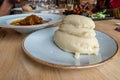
<point>5,22</point>
<point>18,10</point>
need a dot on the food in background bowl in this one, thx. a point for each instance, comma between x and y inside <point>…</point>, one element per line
<point>76,34</point>
<point>29,20</point>
<point>100,15</point>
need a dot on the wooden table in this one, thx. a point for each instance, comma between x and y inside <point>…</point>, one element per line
<point>15,65</point>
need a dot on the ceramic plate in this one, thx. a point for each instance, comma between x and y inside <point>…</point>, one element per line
<point>6,20</point>
<point>106,18</point>
<point>40,47</point>
<point>118,24</point>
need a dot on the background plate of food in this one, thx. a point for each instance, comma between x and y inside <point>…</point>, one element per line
<point>101,16</point>
<point>26,23</point>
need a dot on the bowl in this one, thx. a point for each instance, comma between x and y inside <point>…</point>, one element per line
<point>5,21</point>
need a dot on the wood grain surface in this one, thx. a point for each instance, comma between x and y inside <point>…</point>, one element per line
<point>15,65</point>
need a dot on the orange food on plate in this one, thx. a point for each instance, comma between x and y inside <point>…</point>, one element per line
<point>29,20</point>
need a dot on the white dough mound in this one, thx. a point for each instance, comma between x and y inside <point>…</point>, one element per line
<point>76,34</point>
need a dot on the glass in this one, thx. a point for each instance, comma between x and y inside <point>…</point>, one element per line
<point>47,4</point>
<point>69,5</point>
<point>42,3</point>
<point>34,3</point>
<point>52,4</point>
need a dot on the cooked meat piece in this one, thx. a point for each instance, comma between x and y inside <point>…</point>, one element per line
<point>31,20</point>
<point>23,22</point>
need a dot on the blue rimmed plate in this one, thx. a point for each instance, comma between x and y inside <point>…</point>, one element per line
<point>40,47</point>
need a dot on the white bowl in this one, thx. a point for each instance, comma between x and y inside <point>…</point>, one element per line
<point>6,20</point>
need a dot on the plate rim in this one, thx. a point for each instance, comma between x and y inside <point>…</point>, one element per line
<point>32,26</point>
<point>106,18</point>
<point>58,66</point>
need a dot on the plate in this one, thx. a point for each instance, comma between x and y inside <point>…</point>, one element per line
<point>106,18</point>
<point>16,9</point>
<point>40,47</point>
<point>6,20</point>
<point>118,24</point>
